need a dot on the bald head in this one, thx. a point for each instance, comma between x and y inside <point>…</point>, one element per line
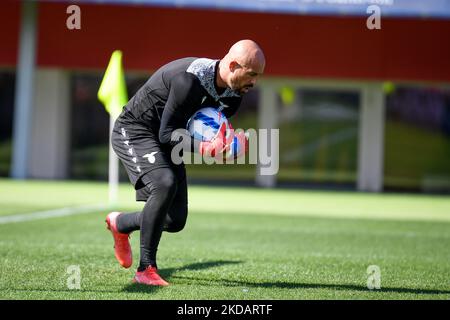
<point>248,53</point>
<point>242,65</point>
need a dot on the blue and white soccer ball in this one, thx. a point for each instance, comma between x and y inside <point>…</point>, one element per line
<point>205,123</point>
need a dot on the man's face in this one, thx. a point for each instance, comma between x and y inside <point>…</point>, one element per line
<point>244,77</point>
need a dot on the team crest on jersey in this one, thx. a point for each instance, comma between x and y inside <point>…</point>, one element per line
<point>150,156</point>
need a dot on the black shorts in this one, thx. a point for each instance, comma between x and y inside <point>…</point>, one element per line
<point>140,151</point>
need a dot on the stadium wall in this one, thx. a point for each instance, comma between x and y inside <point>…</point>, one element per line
<point>295,46</point>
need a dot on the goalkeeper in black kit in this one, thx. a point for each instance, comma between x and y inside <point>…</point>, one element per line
<point>143,140</point>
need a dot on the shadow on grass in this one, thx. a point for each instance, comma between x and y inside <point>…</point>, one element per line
<point>301,285</point>
<point>71,291</point>
<point>169,274</point>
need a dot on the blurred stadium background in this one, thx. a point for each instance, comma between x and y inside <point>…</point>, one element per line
<point>362,109</point>
<point>358,110</point>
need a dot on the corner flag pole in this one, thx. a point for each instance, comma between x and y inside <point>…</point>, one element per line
<point>113,95</point>
<point>113,169</point>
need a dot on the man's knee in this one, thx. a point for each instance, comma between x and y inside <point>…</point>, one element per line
<point>167,182</point>
<point>175,226</point>
<point>176,221</point>
<point>162,180</point>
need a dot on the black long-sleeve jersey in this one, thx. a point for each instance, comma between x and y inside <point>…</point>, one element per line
<point>174,93</point>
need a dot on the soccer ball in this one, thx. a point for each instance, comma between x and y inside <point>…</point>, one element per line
<point>205,123</point>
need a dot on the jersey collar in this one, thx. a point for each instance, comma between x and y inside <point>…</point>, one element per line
<point>205,70</point>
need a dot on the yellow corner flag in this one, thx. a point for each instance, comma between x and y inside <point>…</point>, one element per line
<point>113,91</point>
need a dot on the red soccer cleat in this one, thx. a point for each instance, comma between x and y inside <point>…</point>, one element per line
<point>149,277</point>
<point>122,248</point>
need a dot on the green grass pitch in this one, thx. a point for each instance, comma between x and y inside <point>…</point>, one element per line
<point>254,244</point>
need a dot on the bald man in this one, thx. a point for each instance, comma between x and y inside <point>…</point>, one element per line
<point>143,140</point>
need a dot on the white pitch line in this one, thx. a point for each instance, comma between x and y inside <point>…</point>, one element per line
<point>68,211</point>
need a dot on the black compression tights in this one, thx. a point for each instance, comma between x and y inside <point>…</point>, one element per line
<point>165,210</point>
